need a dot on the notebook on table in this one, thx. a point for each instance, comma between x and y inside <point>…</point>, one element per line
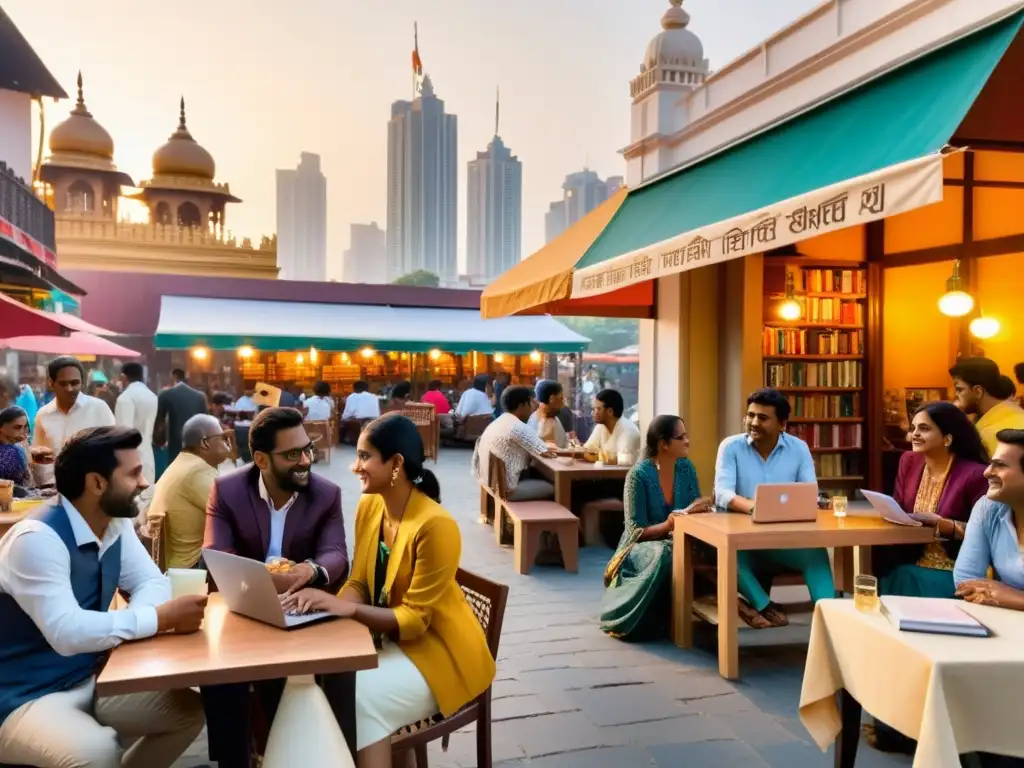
<point>932,616</point>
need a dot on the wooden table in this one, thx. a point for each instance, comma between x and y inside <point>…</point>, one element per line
<point>563,475</point>
<point>233,649</point>
<point>732,533</point>
<point>16,515</point>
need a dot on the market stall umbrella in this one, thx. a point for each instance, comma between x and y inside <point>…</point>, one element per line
<point>75,343</point>
<point>17,318</point>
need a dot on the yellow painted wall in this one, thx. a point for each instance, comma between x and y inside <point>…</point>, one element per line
<point>915,335</point>
<point>928,227</point>
<point>842,245</point>
<point>1000,288</point>
<point>998,212</point>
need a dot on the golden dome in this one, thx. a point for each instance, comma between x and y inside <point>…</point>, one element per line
<point>182,156</point>
<point>81,134</point>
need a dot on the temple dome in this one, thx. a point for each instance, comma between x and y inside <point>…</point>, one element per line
<point>81,134</point>
<point>182,155</point>
<point>675,45</point>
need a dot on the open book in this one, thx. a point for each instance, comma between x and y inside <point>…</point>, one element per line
<point>931,615</point>
<point>889,509</point>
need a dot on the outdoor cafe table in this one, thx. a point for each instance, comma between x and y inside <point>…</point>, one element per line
<point>731,533</point>
<point>954,695</point>
<point>562,475</point>
<point>233,649</point>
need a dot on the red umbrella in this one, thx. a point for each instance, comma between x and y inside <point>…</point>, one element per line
<point>75,343</point>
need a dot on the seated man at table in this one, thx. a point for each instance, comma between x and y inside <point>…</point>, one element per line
<point>995,532</point>
<point>765,453</point>
<point>612,433</point>
<point>182,492</point>
<point>550,399</point>
<point>59,570</point>
<point>509,437</point>
<point>273,508</point>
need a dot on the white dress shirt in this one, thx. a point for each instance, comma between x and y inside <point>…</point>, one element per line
<point>35,569</point>
<point>473,403</point>
<point>54,427</point>
<point>136,408</point>
<point>625,438</point>
<point>277,518</point>
<point>318,408</point>
<point>361,405</point>
<point>244,404</point>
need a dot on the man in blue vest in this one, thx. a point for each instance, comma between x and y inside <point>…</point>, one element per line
<point>59,570</point>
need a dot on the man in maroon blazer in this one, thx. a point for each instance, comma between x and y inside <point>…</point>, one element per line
<point>274,507</point>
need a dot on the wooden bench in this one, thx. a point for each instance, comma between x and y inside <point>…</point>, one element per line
<point>529,520</point>
<point>590,517</point>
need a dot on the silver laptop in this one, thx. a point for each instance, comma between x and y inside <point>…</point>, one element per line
<point>786,503</point>
<point>249,590</point>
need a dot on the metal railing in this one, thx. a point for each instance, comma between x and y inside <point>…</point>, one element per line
<point>20,205</point>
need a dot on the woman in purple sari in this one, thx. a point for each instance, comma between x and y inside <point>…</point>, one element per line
<point>13,454</point>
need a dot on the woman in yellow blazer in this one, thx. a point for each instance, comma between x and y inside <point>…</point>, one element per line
<point>433,655</point>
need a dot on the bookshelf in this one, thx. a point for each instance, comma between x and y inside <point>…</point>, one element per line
<point>819,361</point>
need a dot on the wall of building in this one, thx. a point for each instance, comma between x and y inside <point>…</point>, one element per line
<point>16,132</point>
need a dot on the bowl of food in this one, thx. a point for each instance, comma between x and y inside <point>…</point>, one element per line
<point>280,565</point>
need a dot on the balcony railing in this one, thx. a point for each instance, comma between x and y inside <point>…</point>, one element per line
<point>21,207</point>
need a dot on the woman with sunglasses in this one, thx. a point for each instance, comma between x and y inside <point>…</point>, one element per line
<point>433,655</point>
<point>638,580</point>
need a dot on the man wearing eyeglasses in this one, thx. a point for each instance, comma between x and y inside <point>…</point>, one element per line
<point>273,508</point>
<point>178,509</point>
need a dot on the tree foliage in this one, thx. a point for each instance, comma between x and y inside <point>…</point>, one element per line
<point>420,277</point>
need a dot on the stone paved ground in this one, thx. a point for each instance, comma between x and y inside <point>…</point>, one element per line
<point>566,695</point>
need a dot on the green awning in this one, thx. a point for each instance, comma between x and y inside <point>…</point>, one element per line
<point>906,114</point>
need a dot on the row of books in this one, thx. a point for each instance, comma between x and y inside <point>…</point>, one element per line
<point>841,311</point>
<point>829,435</point>
<point>830,280</point>
<point>828,465</point>
<point>803,341</point>
<point>837,373</point>
<point>825,406</point>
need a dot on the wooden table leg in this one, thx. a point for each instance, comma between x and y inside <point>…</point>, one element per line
<point>682,590</point>
<point>849,736</point>
<point>340,690</point>
<point>728,615</point>
<point>842,569</point>
<point>563,490</point>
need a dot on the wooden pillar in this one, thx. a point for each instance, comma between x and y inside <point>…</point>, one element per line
<point>874,357</point>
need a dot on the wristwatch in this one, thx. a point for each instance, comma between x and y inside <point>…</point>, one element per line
<point>320,575</point>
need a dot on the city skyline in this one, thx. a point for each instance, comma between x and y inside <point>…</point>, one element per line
<point>336,69</point>
<point>302,220</point>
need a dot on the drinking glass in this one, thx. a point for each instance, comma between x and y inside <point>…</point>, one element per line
<point>865,594</point>
<point>839,506</point>
<point>187,581</point>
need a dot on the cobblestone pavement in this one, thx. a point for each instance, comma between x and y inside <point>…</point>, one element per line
<point>566,695</point>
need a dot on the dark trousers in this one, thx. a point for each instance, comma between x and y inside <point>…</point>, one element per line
<point>228,714</point>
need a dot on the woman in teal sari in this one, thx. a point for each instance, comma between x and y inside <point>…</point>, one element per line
<point>638,580</point>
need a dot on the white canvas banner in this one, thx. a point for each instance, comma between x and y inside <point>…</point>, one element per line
<point>878,195</point>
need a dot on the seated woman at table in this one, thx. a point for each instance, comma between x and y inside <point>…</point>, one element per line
<point>14,464</point>
<point>938,483</point>
<point>990,568</point>
<point>638,580</point>
<point>433,655</point>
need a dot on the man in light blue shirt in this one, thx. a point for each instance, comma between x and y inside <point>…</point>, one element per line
<point>766,453</point>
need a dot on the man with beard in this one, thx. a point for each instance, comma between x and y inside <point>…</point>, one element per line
<point>273,508</point>
<point>983,392</point>
<point>766,453</point>
<point>59,569</point>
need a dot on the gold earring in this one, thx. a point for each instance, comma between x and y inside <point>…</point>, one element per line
<point>949,442</point>
<point>394,477</point>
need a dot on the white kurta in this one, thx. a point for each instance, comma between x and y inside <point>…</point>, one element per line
<point>136,408</point>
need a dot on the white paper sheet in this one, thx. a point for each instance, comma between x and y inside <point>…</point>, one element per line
<point>889,509</point>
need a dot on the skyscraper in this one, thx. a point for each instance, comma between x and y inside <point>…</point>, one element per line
<point>302,221</point>
<point>494,241</point>
<point>582,192</point>
<point>366,260</point>
<point>422,188</point>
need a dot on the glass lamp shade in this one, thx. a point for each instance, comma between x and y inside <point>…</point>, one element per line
<point>984,327</point>
<point>956,303</point>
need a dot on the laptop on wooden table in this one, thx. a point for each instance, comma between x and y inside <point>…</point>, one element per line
<point>248,589</point>
<point>785,503</point>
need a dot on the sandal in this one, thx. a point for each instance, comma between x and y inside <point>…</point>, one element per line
<point>775,615</point>
<point>753,618</point>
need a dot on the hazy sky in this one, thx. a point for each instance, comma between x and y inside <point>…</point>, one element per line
<point>266,79</point>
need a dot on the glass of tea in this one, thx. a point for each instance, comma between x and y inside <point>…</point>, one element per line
<point>865,594</point>
<point>839,506</point>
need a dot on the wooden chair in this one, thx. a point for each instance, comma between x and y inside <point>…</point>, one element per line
<point>152,535</point>
<point>530,519</point>
<point>320,432</point>
<point>487,599</point>
<point>424,416</point>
